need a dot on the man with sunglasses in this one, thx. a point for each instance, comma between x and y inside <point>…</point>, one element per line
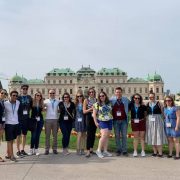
<point>51,121</point>
<point>24,117</point>
<point>12,129</point>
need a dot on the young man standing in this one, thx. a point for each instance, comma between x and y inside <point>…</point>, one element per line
<point>51,121</point>
<point>12,129</point>
<point>120,117</point>
<point>24,117</point>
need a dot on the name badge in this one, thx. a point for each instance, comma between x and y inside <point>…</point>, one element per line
<point>38,118</point>
<point>3,119</point>
<point>106,117</point>
<point>65,117</point>
<point>152,118</point>
<point>136,120</point>
<point>168,124</point>
<point>25,112</point>
<point>118,113</point>
<point>79,119</point>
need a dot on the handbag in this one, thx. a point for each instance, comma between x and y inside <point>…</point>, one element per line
<point>32,124</point>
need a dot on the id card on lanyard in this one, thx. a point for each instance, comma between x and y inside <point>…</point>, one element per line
<point>136,120</point>
<point>152,118</point>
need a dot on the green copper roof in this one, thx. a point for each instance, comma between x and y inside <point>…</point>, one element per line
<point>35,81</point>
<point>86,70</point>
<point>17,78</point>
<point>154,77</point>
<point>61,72</point>
<point>111,72</point>
<point>137,80</point>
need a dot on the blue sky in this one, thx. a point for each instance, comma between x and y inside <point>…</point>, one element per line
<point>139,37</point>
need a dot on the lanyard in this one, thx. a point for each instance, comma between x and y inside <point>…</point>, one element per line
<point>136,110</point>
<point>52,102</point>
<point>152,107</point>
<point>13,107</point>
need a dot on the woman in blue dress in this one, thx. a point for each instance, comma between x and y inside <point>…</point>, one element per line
<point>172,123</point>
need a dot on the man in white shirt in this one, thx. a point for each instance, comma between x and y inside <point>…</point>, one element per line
<point>51,121</point>
<point>12,129</point>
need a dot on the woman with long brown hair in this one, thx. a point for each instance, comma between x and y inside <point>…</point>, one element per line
<point>36,116</point>
<point>80,124</point>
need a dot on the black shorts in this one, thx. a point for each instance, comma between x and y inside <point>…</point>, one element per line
<point>24,126</point>
<point>12,131</point>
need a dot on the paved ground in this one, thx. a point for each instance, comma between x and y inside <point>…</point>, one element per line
<point>79,167</point>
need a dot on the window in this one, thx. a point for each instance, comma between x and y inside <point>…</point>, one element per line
<point>107,81</point>
<point>31,91</point>
<point>48,81</point>
<point>162,90</point>
<point>124,91</point>
<point>54,81</point>
<point>65,90</point>
<point>59,91</point>
<point>112,80</point>
<point>37,89</point>
<point>157,97</point>
<point>140,90</point>
<point>71,91</point>
<point>43,91</point>
<point>59,81</point>
<point>101,81</point>
<point>129,90</point>
<point>112,90</point>
<point>157,90</point>
<point>70,81</point>
<point>146,90</point>
<point>65,81</point>
<point>134,90</point>
<point>107,90</point>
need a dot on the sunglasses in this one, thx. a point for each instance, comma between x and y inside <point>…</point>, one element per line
<point>66,97</point>
<point>3,93</point>
<point>51,93</point>
<point>37,95</point>
<point>136,98</point>
<point>90,92</point>
<point>80,96</point>
<point>102,96</point>
<point>14,95</point>
<point>24,88</point>
<point>168,100</point>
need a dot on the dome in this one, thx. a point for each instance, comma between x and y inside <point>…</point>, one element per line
<point>111,72</point>
<point>154,77</point>
<point>16,79</point>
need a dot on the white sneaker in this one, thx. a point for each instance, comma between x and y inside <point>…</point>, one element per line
<point>99,154</point>
<point>36,152</point>
<point>135,154</point>
<point>107,154</point>
<point>143,154</point>
<point>30,152</point>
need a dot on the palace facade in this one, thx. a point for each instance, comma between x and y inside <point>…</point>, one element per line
<point>107,79</point>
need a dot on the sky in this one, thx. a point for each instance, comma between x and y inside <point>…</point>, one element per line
<point>140,37</point>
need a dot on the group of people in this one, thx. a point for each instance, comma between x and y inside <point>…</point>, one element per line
<point>154,123</point>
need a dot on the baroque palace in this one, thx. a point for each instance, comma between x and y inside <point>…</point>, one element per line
<point>66,80</point>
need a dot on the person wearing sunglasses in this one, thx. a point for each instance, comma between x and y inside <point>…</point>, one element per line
<point>80,124</point>
<point>102,114</point>
<point>155,133</point>
<point>37,120</point>
<point>51,121</point>
<point>138,122</point>
<point>12,128</point>
<point>24,117</point>
<point>66,119</point>
<point>90,125</point>
<point>3,94</point>
<point>172,125</point>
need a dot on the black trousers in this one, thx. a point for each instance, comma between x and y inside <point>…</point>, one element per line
<point>91,131</point>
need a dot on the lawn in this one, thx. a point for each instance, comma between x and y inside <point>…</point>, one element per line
<point>112,146</point>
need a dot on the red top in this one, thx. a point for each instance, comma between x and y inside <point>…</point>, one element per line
<point>118,111</point>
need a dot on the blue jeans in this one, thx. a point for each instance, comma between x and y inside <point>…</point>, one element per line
<point>35,135</point>
<point>66,127</point>
<point>120,130</point>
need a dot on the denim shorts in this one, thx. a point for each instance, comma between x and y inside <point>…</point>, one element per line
<point>105,124</point>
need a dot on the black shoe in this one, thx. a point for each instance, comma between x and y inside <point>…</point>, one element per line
<point>118,153</point>
<point>7,157</point>
<point>160,155</point>
<point>13,159</point>
<point>125,154</point>
<point>18,154</point>
<point>55,152</point>
<point>46,152</point>
<point>169,156</point>
<point>92,152</point>
<point>23,153</point>
<point>88,155</point>
<point>154,155</point>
